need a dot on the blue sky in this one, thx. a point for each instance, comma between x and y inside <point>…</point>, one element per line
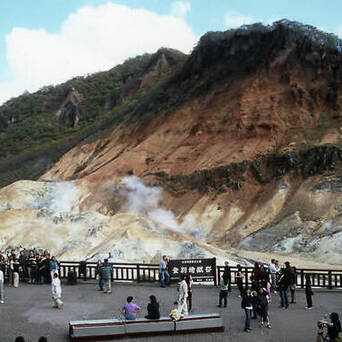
<point>49,41</point>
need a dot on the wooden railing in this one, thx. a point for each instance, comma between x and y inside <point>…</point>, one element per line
<point>150,273</point>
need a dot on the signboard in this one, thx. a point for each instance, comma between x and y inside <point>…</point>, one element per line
<point>203,270</point>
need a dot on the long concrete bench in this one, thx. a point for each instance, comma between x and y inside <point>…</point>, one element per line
<point>95,330</point>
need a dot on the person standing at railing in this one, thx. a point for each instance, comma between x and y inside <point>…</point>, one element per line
<point>273,272</point>
<point>106,271</point>
<point>2,279</point>
<point>239,279</point>
<point>293,284</point>
<point>164,276</point>
<point>98,274</point>
<point>227,273</point>
<point>308,292</point>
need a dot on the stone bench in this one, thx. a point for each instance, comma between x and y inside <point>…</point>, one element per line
<point>104,329</point>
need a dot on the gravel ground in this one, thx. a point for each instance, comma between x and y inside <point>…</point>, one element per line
<point>28,311</point>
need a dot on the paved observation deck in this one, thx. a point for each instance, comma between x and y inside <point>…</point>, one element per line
<point>28,312</point>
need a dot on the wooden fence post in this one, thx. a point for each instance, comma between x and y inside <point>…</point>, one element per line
<point>329,280</point>
<point>302,279</point>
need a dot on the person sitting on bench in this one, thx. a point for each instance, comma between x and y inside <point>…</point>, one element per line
<point>130,309</point>
<point>153,309</point>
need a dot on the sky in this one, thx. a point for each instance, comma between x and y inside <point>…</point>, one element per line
<point>46,42</point>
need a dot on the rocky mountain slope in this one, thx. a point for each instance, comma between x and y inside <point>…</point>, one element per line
<point>238,145</point>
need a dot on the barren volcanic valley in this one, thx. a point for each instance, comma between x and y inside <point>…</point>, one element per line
<point>234,151</point>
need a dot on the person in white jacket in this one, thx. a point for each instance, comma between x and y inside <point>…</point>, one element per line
<point>182,296</point>
<point>57,291</point>
<point>2,287</point>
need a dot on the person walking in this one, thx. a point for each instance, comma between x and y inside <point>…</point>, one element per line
<point>263,300</point>
<point>164,276</point>
<point>223,291</point>
<point>130,309</point>
<point>57,291</point>
<point>153,309</point>
<point>239,279</point>
<point>308,292</point>
<point>54,268</point>
<point>106,272</point>
<point>247,306</point>
<point>189,282</point>
<point>2,279</point>
<point>182,296</point>
<point>16,277</point>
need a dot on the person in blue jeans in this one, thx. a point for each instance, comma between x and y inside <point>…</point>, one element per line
<point>283,285</point>
<point>247,305</point>
<point>164,276</point>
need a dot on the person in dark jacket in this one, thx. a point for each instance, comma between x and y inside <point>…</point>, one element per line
<point>293,284</point>
<point>247,305</point>
<point>153,309</point>
<point>263,300</point>
<point>334,328</point>
<point>106,271</point>
<point>308,292</point>
<point>283,285</point>
<point>255,277</point>
<point>239,279</point>
<point>98,274</point>
<point>227,274</point>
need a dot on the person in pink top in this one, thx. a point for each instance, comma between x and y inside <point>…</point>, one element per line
<point>130,309</point>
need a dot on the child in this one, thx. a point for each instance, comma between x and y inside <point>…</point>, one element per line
<point>130,309</point>
<point>254,304</point>
<point>223,291</point>
<point>308,292</point>
<point>175,315</point>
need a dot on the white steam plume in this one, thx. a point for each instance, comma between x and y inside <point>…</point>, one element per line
<point>145,200</point>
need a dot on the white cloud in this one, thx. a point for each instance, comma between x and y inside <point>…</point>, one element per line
<point>180,9</point>
<point>90,40</point>
<point>234,20</point>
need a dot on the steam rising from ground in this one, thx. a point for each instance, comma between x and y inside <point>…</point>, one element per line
<point>63,196</point>
<point>145,200</point>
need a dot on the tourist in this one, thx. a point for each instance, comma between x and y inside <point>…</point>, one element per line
<point>31,266</point>
<point>16,265</point>
<point>334,328</point>
<point>189,282</point>
<point>2,279</point>
<point>283,284</point>
<point>308,292</point>
<point>54,267</point>
<point>273,272</point>
<point>130,309</point>
<point>175,315</point>
<point>255,304</point>
<point>3,263</point>
<point>42,339</point>
<point>98,274</point>
<point>19,339</point>
<point>22,263</point>
<point>57,291</point>
<point>182,296</point>
<point>263,300</point>
<point>247,305</point>
<point>41,269</point>
<point>106,272</point>
<point>10,261</point>
<point>163,273</point>
<point>239,279</point>
<point>255,277</point>
<point>153,309</point>
<point>293,284</point>
<point>227,272</point>
<point>223,291</point>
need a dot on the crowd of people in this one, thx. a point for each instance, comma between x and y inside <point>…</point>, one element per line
<point>265,280</point>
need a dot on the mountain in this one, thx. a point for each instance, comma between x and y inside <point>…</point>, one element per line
<point>241,140</point>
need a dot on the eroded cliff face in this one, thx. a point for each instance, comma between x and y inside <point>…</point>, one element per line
<point>243,143</point>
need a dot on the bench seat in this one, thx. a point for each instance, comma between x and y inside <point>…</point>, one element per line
<point>105,329</point>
